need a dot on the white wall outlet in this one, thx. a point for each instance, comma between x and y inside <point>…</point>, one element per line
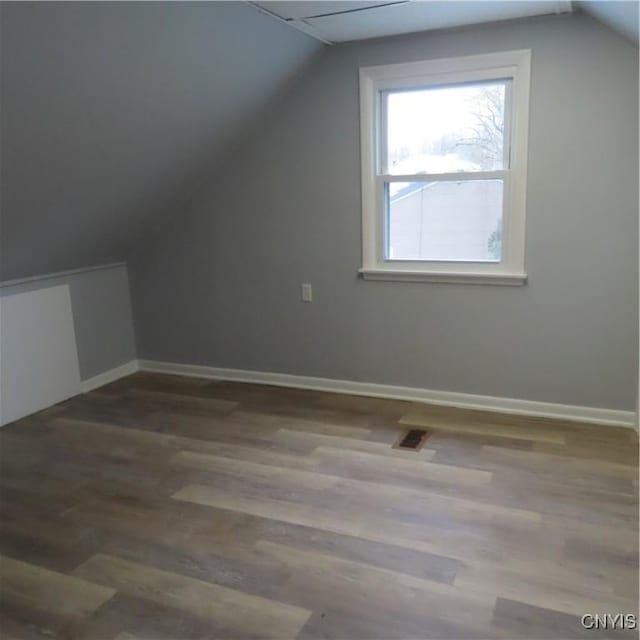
<point>306,293</point>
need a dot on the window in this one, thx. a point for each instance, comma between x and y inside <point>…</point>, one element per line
<point>444,153</point>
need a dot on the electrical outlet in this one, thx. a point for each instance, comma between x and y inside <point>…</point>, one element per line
<point>306,293</point>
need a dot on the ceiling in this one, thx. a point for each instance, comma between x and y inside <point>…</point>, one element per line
<point>114,112</point>
<point>333,22</point>
<point>619,16</point>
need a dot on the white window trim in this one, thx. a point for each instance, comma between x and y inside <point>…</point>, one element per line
<point>513,65</point>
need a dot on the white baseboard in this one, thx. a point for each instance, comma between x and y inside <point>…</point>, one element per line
<point>610,417</point>
<point>111,375</point>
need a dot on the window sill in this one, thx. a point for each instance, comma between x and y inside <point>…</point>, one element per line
<point>505,279</point>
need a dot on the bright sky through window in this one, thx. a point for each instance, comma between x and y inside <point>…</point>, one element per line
<point>446,129</point>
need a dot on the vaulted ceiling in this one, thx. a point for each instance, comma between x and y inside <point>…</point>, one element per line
<point>113,114</point>
<point>345,21</point>
<point>619,15</point>
<point>349,20</point>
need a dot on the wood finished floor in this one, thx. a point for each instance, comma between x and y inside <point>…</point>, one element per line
<point>162,507</point>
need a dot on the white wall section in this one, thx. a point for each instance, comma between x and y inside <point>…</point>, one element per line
<point>102,316</point>
<point>38,355</point>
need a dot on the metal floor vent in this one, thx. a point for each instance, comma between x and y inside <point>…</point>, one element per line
<point>412,439</point>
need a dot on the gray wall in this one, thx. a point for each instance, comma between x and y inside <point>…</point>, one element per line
<point>222,286</point>
<point>102,317</point>
<point>109,109</point>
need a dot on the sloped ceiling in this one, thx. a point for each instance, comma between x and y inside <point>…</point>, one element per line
<point>112,113</point>
<point>109,109</point>
<point>346,21</point>
<point>619,15</point>
<point>349,20</point>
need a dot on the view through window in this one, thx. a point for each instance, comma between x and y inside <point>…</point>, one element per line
<point>439,131</point>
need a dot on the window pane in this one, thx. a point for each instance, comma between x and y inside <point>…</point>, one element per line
<point>445,220</point>
<point>446,129</point>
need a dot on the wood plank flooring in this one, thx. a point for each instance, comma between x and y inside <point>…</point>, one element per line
<point>162,507</point>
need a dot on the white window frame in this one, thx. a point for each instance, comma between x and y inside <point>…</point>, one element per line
<point>514,66</point>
